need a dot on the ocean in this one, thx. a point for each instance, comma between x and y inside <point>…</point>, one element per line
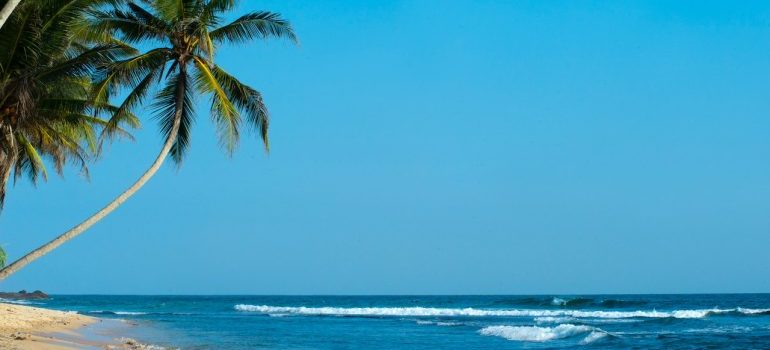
<point>717,321</point>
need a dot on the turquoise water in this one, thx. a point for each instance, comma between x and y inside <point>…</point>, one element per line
<point>440,322</point>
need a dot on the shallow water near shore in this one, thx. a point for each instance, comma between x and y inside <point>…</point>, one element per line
<point>736,321</point>
<point>97,335</point>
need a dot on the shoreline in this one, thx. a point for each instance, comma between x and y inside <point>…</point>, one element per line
<point>31,328</point>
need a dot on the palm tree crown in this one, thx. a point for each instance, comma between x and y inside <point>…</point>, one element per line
<point>191,31</point>
<point>46,63</point>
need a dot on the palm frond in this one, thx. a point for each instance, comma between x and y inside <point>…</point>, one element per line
<point>174,10</point>
<point>248,100</point>
<point>31,162</point>
<point>223,112</point>
<point>131,28</point>
<point>19,39</point>
<point>87,62</point>
<point>128,73</point>
<point>123,115</point>
<point>175,102</point>
<point>256,25</point>
<point>212,8</point>
<point>148,18</point>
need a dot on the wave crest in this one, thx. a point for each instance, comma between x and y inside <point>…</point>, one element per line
<point>129,313</point>
<point>108,312</point>
<point>571,302</point>
<point>472,312</point>
<point>543,334</point>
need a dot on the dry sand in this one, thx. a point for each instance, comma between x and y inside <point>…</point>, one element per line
<point>31,328</point>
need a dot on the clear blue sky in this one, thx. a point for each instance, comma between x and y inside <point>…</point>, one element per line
<point>450,147</point>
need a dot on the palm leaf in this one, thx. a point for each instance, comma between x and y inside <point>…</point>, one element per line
<point>175,101</point>
<point>256,25</point>
<point>132,28</point>
<point>128,73</point>
<point>31,160</point>
<point>248,100</point>
<point>212,8</point>
<point>223,112</point>
<point>86,63</point>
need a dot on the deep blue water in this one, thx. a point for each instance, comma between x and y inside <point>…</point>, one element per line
<point>441,322</point>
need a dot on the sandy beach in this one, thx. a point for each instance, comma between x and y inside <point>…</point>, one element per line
<point>31,328</point>
<point>24,327</point>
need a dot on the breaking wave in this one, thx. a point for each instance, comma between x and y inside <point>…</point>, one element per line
<point>543,334</point>
<point>107,312</point>
<point>594,336</point>
<point>473,312</point>
<point>552,319</point>
<point>439,323</point>
<point>571,302</point>
<point>131,313</point>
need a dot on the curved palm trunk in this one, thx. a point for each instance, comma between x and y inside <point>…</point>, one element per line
<point>7,10</point>
<point>85,225</point>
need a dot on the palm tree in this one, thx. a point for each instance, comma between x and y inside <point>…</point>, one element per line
<point>45,105</point>
<point>191,31</point>
<point>46,110</point>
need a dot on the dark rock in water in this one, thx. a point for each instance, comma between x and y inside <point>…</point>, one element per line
<point>23,294</point>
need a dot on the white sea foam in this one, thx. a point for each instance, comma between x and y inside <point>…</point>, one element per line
<point>19,302</point>
<point>108,312</point>
<point>132,313</point>
<point>717,330</point>
<point>558,302</point>
<point>752,311</point>
<point>540,334</point>
<point>470,312</point>
<point>557,320</point>
<point>133,344</point>
<point>438,323</point>
<point>551,319</point>
<point>593,336</point>
<point>611,320</point>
